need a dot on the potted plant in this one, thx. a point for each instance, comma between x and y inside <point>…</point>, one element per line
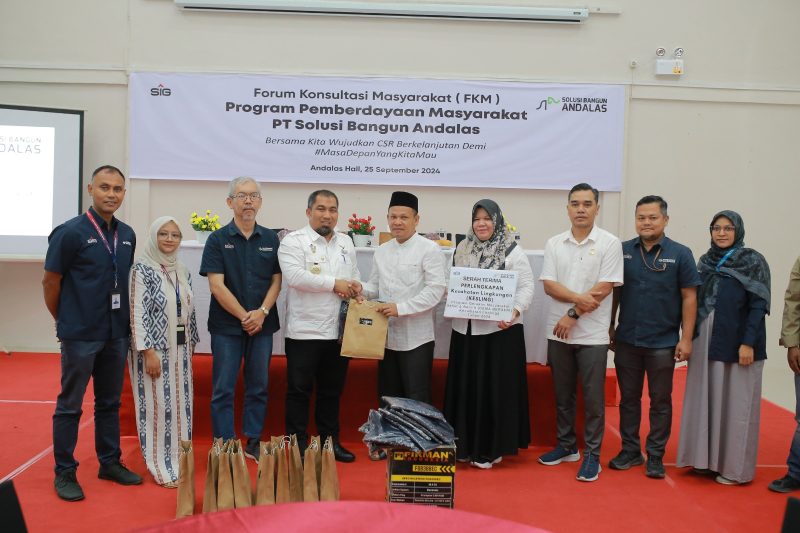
<point>204,225</point>
<point>361,229</point>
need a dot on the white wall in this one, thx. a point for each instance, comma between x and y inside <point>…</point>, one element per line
<point>724,135</point>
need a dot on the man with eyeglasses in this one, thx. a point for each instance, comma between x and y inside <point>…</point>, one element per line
<point>658,307</point>
<point>241,263</point>
<point>321,269</point>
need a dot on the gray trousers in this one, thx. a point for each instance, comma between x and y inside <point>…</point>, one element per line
<point>632,364</point>
<point>567,363</point>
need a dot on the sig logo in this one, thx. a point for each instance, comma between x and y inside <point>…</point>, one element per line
<point>160,91</point>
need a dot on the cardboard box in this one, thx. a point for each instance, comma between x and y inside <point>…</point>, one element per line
<point>426,478</point>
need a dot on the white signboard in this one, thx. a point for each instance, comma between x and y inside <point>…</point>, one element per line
<point>388,131</point>
<point>480,294</point>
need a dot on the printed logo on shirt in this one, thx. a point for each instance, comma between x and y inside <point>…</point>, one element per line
<point>128,243</point>
<point>229,246</point>
<point>627,256</point>
<point>265,248</point>
<point>662,260</point>
<point>91,240</point>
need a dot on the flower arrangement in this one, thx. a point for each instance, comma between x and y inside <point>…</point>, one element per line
<point>360,226</point>
<point>206,222</point>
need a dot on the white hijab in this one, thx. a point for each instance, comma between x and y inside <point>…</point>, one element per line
<point>155,258</point>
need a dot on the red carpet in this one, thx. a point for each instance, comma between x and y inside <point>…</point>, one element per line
<point>519,489</point>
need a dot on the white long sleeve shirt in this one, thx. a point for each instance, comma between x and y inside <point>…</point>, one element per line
<point>410,275</point>
<point>310,265</point>
<point>519,263</point>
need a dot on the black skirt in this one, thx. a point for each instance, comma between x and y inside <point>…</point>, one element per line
<point>486,397</point>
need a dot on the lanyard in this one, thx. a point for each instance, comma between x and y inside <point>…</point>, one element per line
<point>112,253</point>
<point>725,258</point>
<point>176,286</point>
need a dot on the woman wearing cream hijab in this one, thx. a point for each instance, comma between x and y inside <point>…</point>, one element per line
<point>163,337</point>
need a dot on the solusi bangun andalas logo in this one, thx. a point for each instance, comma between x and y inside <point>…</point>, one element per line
<point>160,91</point>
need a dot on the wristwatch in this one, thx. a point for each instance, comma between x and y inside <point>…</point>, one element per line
<point>572,313</point>
<point>264,310</point>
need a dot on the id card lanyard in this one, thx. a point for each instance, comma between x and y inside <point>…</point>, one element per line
<point>177,286</point>
<point>725,258</point>
<point>115,294</point>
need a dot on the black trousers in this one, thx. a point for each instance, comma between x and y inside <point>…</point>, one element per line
<point>568,363</point>
<point>309,363</point>
<point>632,364</point>
<point>406,374</point>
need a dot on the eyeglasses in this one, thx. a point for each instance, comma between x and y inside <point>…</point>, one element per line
<point>167,235</point>
<point>724,229</point>
<point>242,196</point>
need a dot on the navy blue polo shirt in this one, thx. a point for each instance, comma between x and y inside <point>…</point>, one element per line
<point>248,266</point>
<point>738,319</point>
<point>76,251</point>
<point>650,300</point>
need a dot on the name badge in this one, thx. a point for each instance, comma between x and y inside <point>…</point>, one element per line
<point>116,300</point>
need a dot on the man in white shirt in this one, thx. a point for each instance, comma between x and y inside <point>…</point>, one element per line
<point>581,268</point>
<point>408,275</point>
<point>319,265</point>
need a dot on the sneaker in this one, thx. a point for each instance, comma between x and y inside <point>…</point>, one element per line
<point>485,464</point>
<point>67,486</point>
<point>118,473</point>
<point>626,459</point>
<point>785,484</point>
<point>560,455</point>
<point>722,480</point>
<point>655,467</point>
<point>253,448</point>
<point>590,469</point>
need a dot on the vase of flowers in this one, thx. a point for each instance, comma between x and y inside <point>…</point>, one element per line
<point>361,229</point>
<point>204,225</point>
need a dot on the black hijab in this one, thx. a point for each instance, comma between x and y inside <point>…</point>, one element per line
<point>744,264</point>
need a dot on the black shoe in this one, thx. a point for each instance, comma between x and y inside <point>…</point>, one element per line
<point>785,484</point>
<point>67,486</point>
<point>119,474</point>
<point>655,467</point>
<point>342,454</point>
<point>626,459</point>
<point>253,448</point>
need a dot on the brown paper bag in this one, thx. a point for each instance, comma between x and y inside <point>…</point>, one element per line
<point>265,482</point>
<point>295,471</point>
<point>329,479</point>
<point>185,480</point>
<point>212,477</point>
<point>364,331</point>
<point>225,481</point>
<point>281,445</point>
<point>242,493</point>
<point>311,469</point>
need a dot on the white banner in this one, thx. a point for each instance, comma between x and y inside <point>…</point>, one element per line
<point>382,131</point>
<point>480,294</point>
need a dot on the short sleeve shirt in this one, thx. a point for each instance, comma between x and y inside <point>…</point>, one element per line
<point>248,266</point>
<point>76,251</point>
<point>650,301</point>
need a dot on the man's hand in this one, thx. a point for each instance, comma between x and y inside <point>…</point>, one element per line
<point>563,327</point>
<point>793,355</point>
<point>342,288</point>
<point>387,310</point>
<point>588,301</point>
<point>355,287</point>
<point>683,351</point>
<point>505,325</point>
<point>152,364</point>
<point>745,355</point>
<point>253,321</point>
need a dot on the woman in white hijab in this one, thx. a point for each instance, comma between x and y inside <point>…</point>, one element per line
<point>163,337</point>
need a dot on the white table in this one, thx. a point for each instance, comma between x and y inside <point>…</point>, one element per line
<point>191,253</point>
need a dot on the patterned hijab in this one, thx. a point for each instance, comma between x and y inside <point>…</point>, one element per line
<point>744,264</point>
<point>491,253</point>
